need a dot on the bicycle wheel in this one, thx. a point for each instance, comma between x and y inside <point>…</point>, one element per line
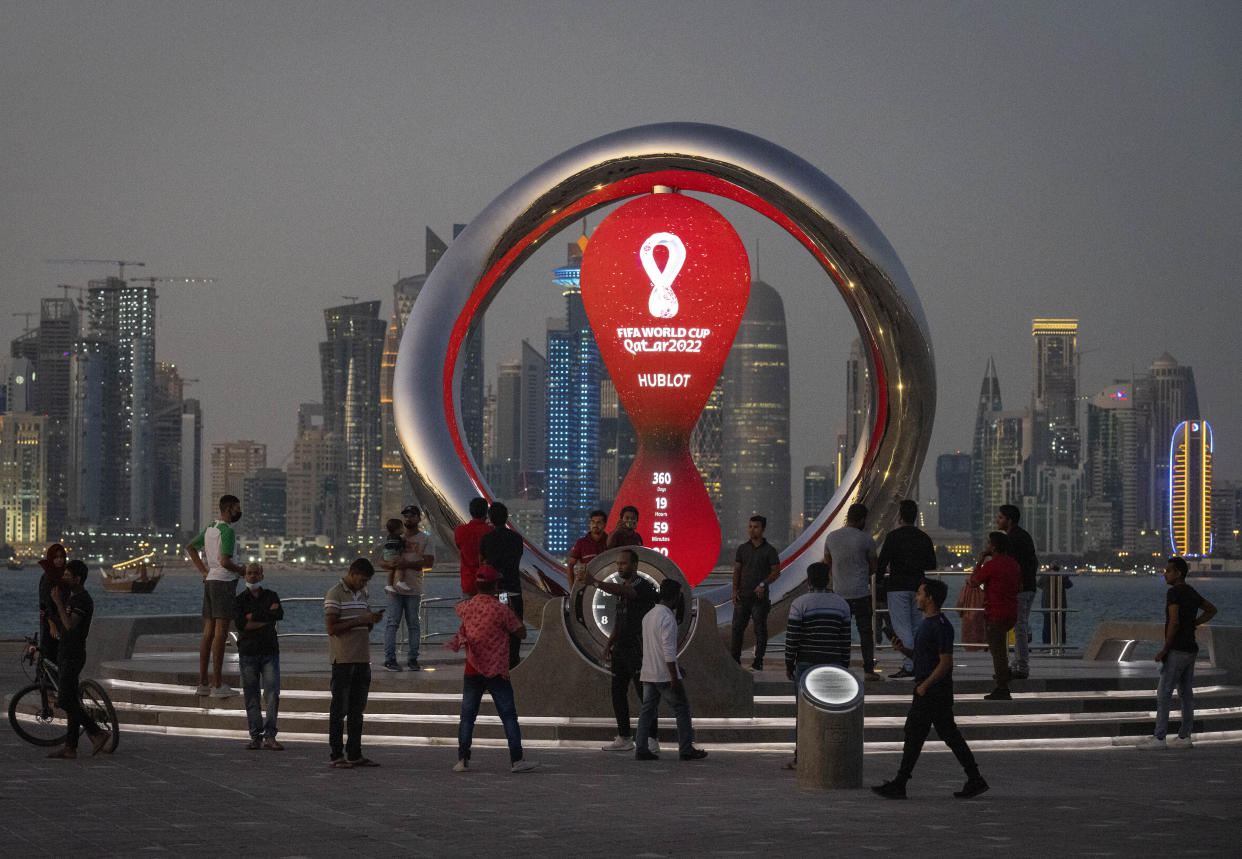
<point>34,720</point>
<point>96,702</point>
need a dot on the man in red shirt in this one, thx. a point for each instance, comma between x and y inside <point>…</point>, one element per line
<point>486,625</point>
<point>468,536</point>
<point>589,546</point>
<point>1001,578</point>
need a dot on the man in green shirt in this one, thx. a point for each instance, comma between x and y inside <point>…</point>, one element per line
<point>212,552</point>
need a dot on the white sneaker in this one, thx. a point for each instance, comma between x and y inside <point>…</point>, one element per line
<point>462,766</point>
<point>1180,743</point>
<point>389,589</point>
<point>223,692</point>
<point>1148,744</point>
<point>653,745</point>
<point>524,766</point>
<point>202,690</point>
<point>620,744</point>
<point>405,587</point>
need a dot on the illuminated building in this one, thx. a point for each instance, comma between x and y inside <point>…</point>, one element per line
<point>755,423</point>
<point>166,432</point>
<point>1056,439</point>
<point>312,491</point>
<point>618,443</point>
<point>1190,489</point>
<point>575,376</point>
<point>817,486</point>
<point>706,444</point>
<point>136,362</point>
<point>521,426</point>
<point>23,475</point>
<point>264,496</point>
<point>953,491</point>
<point>350,362</point>
<point>191,504</point>
<point>989,407</point>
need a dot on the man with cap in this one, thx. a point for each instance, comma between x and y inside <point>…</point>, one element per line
<point>486,627</point>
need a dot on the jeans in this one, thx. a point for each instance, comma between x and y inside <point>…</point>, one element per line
<point>1022,632</point>
<point>401,605</point>
<point>265,668</point>
<point>750,607</point>
<point>70,699</point>
<point>860,607</point>
<point>652,694</point>
<point>625,668</point>
<point>906,619</point>
<point>998,645</point>
<point>934,708</point>
<point>351,681</point>
<point>501,690</point>
<point>1176,671</point>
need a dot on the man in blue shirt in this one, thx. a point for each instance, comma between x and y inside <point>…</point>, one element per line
<point>932,655</point>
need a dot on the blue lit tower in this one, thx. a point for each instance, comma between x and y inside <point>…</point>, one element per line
<point>575,376</point>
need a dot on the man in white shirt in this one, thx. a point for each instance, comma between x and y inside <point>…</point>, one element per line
<point>850,554</point>
<point>661,677</point>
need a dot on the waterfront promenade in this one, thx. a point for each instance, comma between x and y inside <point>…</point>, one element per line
<point>163,795</point>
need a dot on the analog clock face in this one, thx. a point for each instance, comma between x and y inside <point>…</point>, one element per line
<point>603,606</point>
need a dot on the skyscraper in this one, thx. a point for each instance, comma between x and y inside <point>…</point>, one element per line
<point>231,463</point>
<point>1190,488</point>
<point>1055,393</point>
<point>575,376</point>
<point>521,425</point>
<point>953,490</point>
<point>755,422</point>
<point>988,409</point>
<point>191,504</point>
<point>1173,399</point>
<point>618,444</point>
<point>23,475</point>
<point>312,491</point>
<point>817,486</point>
<point>857,398</point>
<point>1116,466</point>
<point>350,361</point>
<point>263,498</point>
<point>166,420</point>
<point>136,359</point>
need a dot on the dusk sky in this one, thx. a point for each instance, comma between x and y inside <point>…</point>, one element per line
<point>1025,160</point>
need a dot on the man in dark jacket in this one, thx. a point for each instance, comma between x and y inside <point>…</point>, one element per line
<point>1022,550</point>
<point>906,556</point>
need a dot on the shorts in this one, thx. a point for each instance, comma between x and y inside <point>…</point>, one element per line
<point>218,598</point>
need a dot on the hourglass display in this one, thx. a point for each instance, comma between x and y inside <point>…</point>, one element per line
<point>665,280</point>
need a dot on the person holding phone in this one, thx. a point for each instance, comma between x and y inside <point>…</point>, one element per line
<point>349,620</point>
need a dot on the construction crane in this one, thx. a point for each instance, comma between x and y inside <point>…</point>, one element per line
<point>352,299</point>
<point>28,314</point>
<point>117,262</point>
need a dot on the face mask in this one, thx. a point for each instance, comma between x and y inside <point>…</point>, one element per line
<point>254,586</point>
<point>236,516</point>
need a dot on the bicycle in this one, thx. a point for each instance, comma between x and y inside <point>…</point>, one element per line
<point>33,712</point>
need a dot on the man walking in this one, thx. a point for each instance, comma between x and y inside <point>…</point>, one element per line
<point>906,556</point>
<point>1185,609</point>
<point>467,538</point>
<point>818,632</point>
<point>756,565</point>
<point>662,678</point>
<point>850,553</point>
<point>258,655</point>
<point>349,621</point>
<point>932,655</point>
<point>217,543</point>
<point>503,548</point>
<point>624,651</point>
<point>1022,550</point>
<point>486,628</point>
<point>998,574</point>
<point>72,620</point>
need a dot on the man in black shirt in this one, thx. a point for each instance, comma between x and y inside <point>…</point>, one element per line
<point>258,655</point>
<point>1184,610</point>
<point>933,696</point>
<point>73,621</point>
<point>503,549</point>
<point>907,555</point>
<point>1022,548</point>
<point>756,565</point>
<point>624,651</point>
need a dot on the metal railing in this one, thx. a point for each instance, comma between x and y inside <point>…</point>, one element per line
<point>428,607</point>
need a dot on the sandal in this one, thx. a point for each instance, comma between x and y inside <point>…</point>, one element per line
<point>340,764</point>
<point>363,762</point>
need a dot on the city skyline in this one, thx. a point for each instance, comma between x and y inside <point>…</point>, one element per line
<point>1006,199</point>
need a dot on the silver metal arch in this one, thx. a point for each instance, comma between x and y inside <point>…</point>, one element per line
<point>868,275</point>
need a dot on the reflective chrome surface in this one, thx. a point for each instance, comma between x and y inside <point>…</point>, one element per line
<point>868,275</point>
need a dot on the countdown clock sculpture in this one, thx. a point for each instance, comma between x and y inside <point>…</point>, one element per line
<point>858,262</point>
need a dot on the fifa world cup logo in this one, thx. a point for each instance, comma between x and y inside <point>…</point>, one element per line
<point>665,280</point>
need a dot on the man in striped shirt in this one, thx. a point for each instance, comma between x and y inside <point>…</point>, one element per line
<point>818,631</point>
<point>349,620</point>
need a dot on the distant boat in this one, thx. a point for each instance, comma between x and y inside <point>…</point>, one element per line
<point>138,575</point>
<point>15,564</point>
